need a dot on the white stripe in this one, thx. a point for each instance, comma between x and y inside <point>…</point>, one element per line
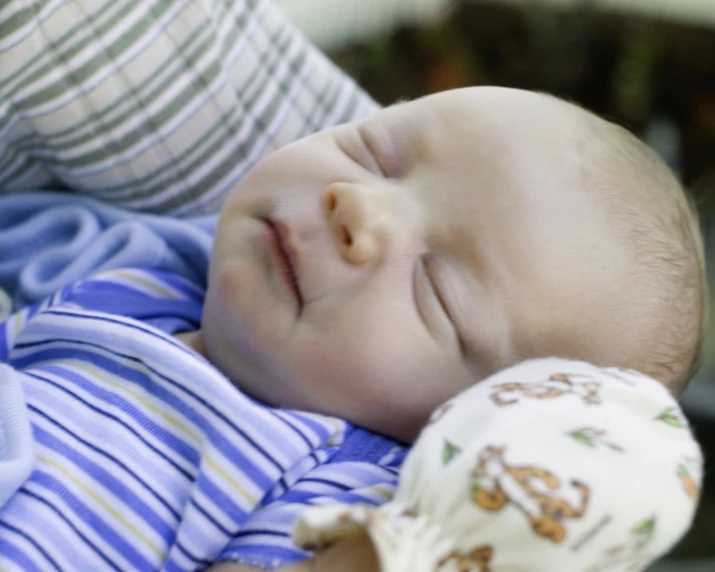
<point>230,401</point>
<point>124,106</point>
<point>54,397</point>
<point>46,524</point>
<point>196,531</point>
<point>131,526</point>
<point>33,178</point>
<point>144,282</point>
<point>68,536</point>
<point>257,152</point>
<point>102,73</point>
<point>137,121</point>
<point>20,92</point>
<point>20,34</point>
<point>207,94</point>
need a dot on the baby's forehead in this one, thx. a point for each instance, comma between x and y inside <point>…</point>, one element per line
<point>503,103</point>
<point>507,120</point>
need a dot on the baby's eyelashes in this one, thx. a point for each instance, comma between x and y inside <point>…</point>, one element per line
<point>430,301</point>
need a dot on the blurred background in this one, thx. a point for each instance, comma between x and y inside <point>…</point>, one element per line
<point>646,64</point>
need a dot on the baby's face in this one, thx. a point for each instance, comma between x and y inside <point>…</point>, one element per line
<point>427,247</point>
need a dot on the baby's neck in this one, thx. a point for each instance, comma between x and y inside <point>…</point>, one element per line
<point>194,340</point>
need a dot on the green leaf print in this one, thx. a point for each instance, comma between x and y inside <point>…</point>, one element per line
<point>475,491</point>
<point>645,529</point>
<point>583,436</point>
<point>671,417</point>
<point>449,452</point>
<point>592,437</point>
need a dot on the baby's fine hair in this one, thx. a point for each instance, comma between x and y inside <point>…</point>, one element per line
<point>659,221</point>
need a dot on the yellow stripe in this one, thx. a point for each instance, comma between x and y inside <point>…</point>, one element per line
<point>133,277</point>
<point>123,387</point>
<point>231,481</point>
<point>98,499</point>
<point>174,423</point>
<point>181,427</point>
<point>337,430</point>
<point>384,492</point>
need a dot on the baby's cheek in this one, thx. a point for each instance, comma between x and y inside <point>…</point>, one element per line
<point>246,308</point>
<point>228,284</point>
<point>334,372</point>
<point>232,287</point>
<point>384,378</point>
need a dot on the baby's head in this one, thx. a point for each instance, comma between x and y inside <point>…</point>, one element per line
<point>442,240</point>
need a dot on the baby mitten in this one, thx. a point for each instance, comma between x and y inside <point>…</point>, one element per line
<point>549,465</point>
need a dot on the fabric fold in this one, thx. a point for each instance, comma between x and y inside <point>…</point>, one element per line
<point>17,452</point>
<point>48,240</point>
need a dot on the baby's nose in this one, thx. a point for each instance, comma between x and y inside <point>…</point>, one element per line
<point>357,217</point>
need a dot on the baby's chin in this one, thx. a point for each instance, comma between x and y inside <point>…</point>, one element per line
<point>259,373</point>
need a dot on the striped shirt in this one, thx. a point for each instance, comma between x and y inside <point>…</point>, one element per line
<point>159,105</point>
<point>147,457</point>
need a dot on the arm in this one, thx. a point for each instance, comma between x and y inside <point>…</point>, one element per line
<point>352,555</point>
<point>228,126</point>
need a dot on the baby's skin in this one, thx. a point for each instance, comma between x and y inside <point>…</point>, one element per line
<point>379,268</point>
<point>375,270</point>
<point>548,465</point>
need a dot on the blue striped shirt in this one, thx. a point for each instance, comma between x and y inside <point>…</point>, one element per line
<point>147,457</point>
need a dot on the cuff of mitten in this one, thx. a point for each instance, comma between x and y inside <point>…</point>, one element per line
<point>403,540</point>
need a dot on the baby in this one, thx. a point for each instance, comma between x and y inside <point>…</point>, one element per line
<point>373,272</point>
<point>388,265</point>
<point>382,267</point>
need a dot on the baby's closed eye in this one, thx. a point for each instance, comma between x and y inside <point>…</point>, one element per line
<point>354,144</point>
<point>430,300</point>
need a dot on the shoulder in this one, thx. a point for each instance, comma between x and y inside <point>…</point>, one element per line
<point>165,300</point>
<point>138,283</point>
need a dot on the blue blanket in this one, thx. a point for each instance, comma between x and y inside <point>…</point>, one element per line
<point>49,240</point>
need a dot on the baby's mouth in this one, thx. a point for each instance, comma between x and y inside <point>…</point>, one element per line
<point>285,257</point>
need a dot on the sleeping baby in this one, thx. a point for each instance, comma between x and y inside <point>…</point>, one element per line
<point>384,266</point>
<point>373,272</point>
